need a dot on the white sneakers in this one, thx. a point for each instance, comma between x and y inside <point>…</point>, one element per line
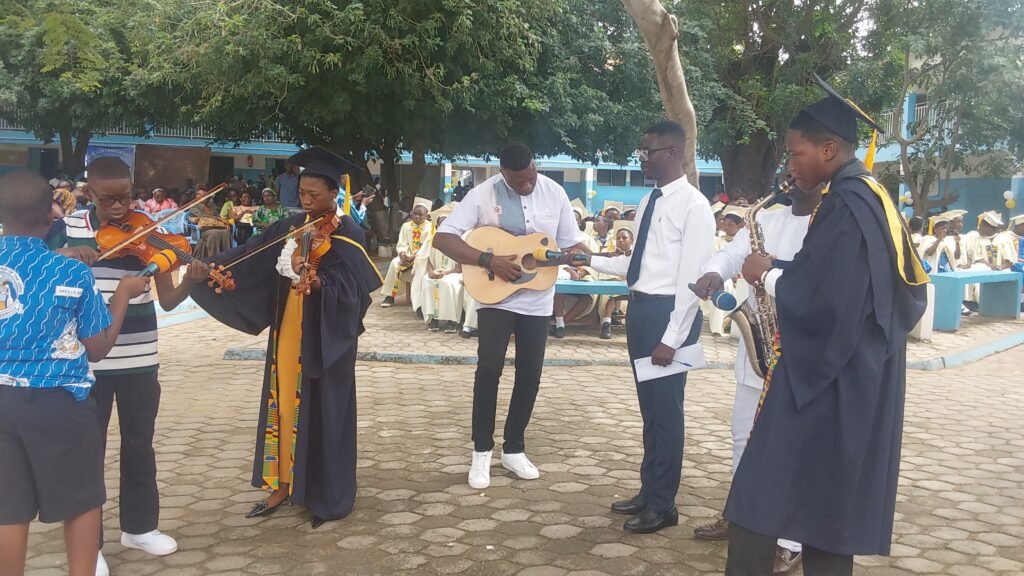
<point>480,469</point>
<point>101,566</point>
<point>155,542</point>
<point>520,465</point>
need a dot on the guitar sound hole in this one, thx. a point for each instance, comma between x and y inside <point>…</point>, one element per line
<point>528,262</point>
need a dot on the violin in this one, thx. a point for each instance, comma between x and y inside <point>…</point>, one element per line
<point>160,252</point>
<point>313,244</point>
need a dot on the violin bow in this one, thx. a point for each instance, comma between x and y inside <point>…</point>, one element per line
<point>156,224</point>
<point>274,242</point>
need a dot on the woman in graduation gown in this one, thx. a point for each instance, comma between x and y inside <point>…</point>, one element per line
<point>306,436</point>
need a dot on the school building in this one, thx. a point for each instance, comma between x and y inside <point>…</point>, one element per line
<point>167,156</point>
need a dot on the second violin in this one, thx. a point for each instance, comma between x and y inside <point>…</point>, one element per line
<point>160,252</point>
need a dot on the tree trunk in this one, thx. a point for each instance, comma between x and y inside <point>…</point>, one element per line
<point>749,168</point>
<point>419,169</point>
<point>73,146</point>
<point>81,147</point>
<point>389,171</point>
<point>661,32</point>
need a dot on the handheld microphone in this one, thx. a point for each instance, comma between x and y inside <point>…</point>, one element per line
<point>720,298</point>
<point>151,269</point>
<point>161,262</point>
<point>542,255</point>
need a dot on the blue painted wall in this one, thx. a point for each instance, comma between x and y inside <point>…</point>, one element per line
<point>979,195</point>
<point>628,195</point>
<point>576,190</point>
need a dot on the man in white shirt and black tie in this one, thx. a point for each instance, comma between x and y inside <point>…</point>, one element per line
<point>673,241</point>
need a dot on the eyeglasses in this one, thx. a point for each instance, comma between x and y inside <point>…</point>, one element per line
<point>109,201</point>
<point>643,153</point>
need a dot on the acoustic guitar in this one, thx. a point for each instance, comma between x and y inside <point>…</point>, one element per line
<point>536,254</point>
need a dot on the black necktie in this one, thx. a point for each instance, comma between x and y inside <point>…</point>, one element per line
<point>641,239</point>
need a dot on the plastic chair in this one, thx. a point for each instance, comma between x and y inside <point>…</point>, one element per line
<point>175,225</point>
<point>190,229</point>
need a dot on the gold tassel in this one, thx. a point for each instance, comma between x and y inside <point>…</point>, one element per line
<point>869,159</point>
<point>348,195</point>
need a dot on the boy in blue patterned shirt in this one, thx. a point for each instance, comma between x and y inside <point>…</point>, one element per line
<point>52,323</point>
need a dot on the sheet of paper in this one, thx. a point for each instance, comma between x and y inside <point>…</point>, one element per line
<point>686,359</point>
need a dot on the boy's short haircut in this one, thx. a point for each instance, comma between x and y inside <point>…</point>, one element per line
<point>23,193</point>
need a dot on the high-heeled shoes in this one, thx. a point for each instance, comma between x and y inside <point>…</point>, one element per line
<point>263,509</point>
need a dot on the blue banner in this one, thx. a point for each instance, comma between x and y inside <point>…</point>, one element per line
<point>125,153</point>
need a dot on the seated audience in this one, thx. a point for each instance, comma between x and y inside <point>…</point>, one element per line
<point>271,211</point>
<point>214,232</point>
<point>159,202</point>
<point>410,239</point>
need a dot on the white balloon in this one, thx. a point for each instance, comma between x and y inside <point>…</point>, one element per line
<point>1008,195</point>
<point>909,201</point>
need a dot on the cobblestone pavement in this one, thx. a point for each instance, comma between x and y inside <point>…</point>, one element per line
<point>960,510</point>
<point>397,330</point>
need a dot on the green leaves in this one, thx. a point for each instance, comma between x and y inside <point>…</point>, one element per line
<point>67,68</point>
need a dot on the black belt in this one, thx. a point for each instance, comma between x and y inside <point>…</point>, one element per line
<point>636,296</point>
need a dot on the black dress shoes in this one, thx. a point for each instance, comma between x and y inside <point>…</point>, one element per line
<point>316,522</point>
<point>263,508</point>
<point>648,522</point>
<point>631,507</point>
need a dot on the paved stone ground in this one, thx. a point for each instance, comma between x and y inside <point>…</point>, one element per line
<point>960,510</point>
<point>397,330</point>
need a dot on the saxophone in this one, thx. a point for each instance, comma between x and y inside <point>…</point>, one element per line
<point>757,322</point>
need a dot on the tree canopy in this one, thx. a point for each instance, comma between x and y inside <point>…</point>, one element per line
<point>753,62</point>
<point>376,78</point>
<point>428,76</point>
<point>67,69</point>
<point>965,58</point>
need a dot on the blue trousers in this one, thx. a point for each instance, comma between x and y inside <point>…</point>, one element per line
<point>661,403</point>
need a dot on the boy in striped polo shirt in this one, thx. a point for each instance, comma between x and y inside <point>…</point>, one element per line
<point>129,372</point>
<point>52,322</point>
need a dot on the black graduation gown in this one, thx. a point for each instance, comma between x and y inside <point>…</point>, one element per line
<point>822,463</point>
<point>324,477</point>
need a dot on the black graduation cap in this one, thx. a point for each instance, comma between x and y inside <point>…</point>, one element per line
<point>838,114</point>
<point>323,162</point>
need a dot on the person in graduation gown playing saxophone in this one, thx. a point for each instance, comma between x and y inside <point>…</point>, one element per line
<point>306,437</point>
<point>822,463</point>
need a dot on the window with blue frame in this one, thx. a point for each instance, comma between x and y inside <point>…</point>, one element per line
<point>611,177</point>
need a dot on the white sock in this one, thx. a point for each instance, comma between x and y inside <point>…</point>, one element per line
<point>559,321</point>
<point>606,320</point>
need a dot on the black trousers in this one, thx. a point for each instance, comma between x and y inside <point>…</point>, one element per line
<point>496,327</point>
<point>661,403</point>
<point>138,400</point>
<point>753,554</point>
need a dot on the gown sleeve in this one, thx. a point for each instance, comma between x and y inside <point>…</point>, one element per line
<point>843,281</point>
<point>347,280</point>
<point>251,306</point>
<point>822,300</point>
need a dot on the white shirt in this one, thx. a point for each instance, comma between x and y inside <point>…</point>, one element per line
<point>546,210</point>
<point>783,237</point>
<point>948,246</point>
<point>678,244</point>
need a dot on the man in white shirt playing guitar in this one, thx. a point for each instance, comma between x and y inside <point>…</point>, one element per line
<point>519,201</point>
